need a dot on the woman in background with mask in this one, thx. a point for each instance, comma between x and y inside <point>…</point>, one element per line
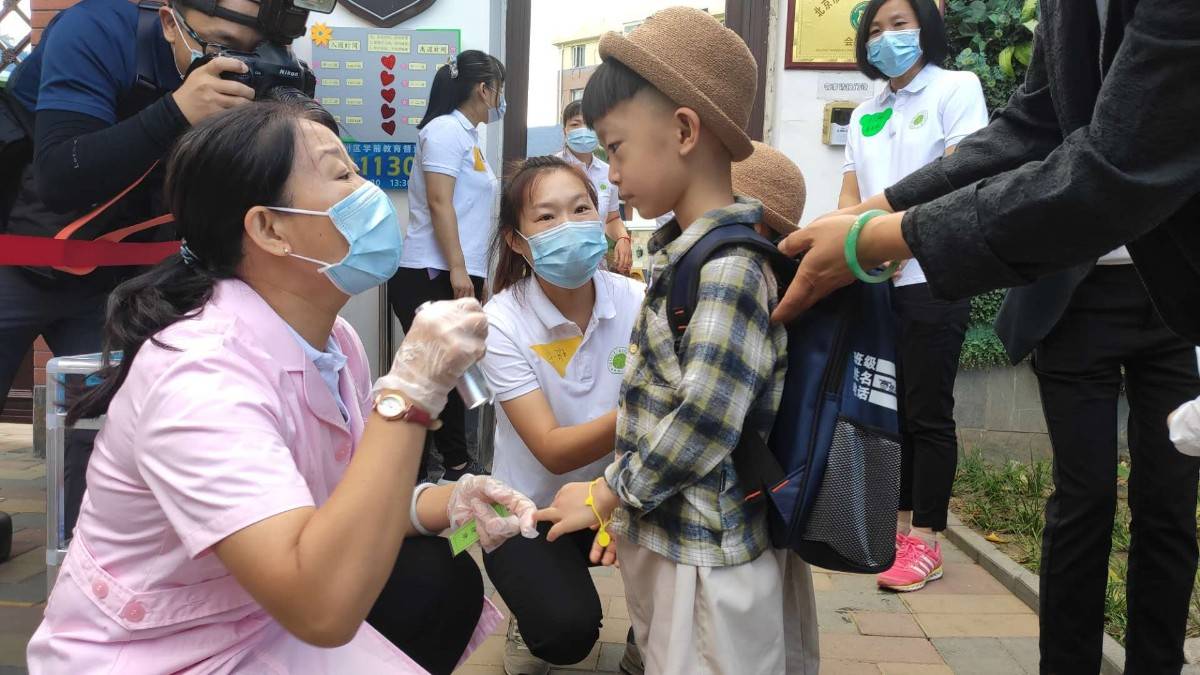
<point>451,194</point>
<point>557,339</point>
<point>580,144</point>
<point>250,491</point>
<point>922,114</point>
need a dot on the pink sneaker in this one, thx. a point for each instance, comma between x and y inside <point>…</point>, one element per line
<point>916,564</point>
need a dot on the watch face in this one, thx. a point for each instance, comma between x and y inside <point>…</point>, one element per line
<point>390,406</point>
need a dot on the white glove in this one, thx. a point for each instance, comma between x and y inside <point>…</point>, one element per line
<point>473,497</point>
<point>446,338</point>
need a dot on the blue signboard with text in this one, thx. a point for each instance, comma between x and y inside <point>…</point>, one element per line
<point>387,165</point>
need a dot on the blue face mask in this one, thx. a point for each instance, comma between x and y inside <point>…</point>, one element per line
<point>895,51</point>
<point>582,140</point>
<point>568,255</point>
<point>494,114</point>
<point>195,54</point>
<point>368,221</point>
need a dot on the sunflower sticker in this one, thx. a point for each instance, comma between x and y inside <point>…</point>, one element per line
<point>321,34</point>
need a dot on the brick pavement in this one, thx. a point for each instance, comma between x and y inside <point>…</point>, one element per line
<point>967,623</point>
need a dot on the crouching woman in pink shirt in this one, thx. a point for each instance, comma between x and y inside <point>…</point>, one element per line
<point>250,492</point>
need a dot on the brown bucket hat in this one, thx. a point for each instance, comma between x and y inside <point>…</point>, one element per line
<point>770,177</point>
<point>697,63</point>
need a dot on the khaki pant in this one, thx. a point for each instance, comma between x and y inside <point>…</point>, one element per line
<point>759,617</point>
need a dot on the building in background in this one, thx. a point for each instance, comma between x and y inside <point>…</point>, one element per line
<point>579,51</point>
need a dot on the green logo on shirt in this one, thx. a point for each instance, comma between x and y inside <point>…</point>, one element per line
<point>616,361</point>
<point>920,120</point>
<point>603,186</point>
<point>874,123</point>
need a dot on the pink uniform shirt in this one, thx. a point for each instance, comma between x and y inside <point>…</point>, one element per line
<point>233,428</point>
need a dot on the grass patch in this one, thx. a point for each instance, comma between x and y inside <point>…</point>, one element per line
<point>1006,503</point>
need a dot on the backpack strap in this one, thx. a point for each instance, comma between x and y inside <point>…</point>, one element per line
<point>685,279</point>
<point>756,466</point>
<point>148,28</point>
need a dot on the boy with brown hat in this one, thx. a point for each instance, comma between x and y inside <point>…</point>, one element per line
<point>770,177</point>
<point>706,592</point>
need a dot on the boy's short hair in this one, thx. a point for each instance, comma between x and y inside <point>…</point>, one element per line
<point>571,111</point>
<point>610,85</point>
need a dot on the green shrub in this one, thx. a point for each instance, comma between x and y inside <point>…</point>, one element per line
<point>993,39</point>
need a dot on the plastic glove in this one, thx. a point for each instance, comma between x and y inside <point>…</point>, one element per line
<point>446,338</point>
<point>473,497</point>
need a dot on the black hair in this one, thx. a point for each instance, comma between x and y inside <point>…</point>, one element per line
<point>574,109</point>
<point>612,84</point>
<point>934,48</point>
<point>218,170</point>
<point>453,84</point>
<point>518,190</point>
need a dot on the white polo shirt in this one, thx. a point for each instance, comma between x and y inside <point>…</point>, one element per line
<point>449,145</point>
<point>896,133</point>
<point>531,345</point>
<point>607,197</point>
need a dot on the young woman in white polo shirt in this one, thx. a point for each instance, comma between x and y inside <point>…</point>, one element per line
<point>922,114</point>
<point>451,193</point>
<point>558,330</point>
<point>580,143</point>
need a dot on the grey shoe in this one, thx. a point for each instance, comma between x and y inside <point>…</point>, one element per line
<point>518,660</point>
<point>631,660</point>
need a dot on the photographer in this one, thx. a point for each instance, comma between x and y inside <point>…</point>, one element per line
<point>99,102</point>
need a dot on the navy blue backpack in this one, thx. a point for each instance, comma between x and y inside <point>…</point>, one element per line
<point>830,469</point>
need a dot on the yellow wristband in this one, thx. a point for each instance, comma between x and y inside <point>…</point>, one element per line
<point>602,536</point>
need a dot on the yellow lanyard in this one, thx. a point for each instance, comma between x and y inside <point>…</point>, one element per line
<point>602,537</point>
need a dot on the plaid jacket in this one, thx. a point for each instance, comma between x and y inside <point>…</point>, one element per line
<point>680,417</point>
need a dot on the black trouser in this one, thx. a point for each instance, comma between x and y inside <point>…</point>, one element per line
<point>550,592</point>
<point>930,334</point>
<point>431,603</point>
<point>70,316</point>
<point>407,290</point>
<point>1108,325</point>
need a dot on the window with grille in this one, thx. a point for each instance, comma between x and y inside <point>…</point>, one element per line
<point>578,56</point>
<point>16,29</point>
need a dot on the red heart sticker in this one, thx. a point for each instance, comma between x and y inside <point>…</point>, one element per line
<point>386,78</point>
<point>388,95</point>
<point>386,111</point>
<point>390,127</point>
<point>388,61</point>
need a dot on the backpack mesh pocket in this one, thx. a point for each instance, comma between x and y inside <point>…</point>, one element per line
<point>855,509</point>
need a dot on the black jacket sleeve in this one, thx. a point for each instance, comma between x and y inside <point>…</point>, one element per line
<point>1106,184</point>
<point>80,160</point>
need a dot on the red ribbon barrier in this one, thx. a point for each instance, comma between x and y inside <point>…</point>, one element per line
<point>47,252</point>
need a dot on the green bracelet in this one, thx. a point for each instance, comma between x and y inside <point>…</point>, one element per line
<point>852,252</point>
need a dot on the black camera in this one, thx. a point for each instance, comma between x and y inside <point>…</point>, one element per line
<point>272,63</point>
